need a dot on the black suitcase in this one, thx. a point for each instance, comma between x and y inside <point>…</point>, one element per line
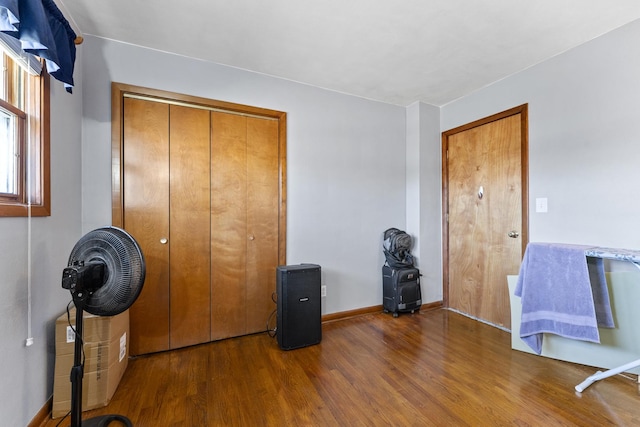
<point>401,290</point>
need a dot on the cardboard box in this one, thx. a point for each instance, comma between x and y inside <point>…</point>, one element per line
<point>106,354</point>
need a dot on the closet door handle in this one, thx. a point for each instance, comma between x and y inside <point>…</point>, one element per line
<point>252,237</point>
<point>163,241</point>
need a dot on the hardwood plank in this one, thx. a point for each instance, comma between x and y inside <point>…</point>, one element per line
<point>431,368</point>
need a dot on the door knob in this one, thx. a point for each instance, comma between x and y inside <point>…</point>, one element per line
<point>252,237</point>
<point>513,234</point>
<point>163,241</point>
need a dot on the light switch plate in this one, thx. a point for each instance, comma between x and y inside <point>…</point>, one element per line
<point>541,205</point>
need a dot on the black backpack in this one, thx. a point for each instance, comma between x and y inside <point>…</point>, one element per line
<point>397,248</point>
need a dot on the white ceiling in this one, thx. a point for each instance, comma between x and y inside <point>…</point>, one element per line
<point>397,52</point>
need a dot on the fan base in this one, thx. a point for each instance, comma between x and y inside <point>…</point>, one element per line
<point>105,420</point>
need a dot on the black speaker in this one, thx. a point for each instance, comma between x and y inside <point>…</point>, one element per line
<point>299,306</point>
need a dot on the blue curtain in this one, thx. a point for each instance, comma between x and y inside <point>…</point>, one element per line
<point>42,31</point>
<point>14,48</point>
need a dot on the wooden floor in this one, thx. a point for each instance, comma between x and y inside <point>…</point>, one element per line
<point>430,368</point>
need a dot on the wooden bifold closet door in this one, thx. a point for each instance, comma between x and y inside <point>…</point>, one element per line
<point>244,186</point>
<point>202,193</point>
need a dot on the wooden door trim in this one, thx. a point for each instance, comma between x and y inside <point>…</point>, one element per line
<point>118,93</point>
<point>523,110</point>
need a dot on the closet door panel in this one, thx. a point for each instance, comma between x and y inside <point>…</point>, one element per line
<point>228,224</point>
<point>201,185</point>
<point>146,217</point>
<point>189,239</point>
<point>262,220</point>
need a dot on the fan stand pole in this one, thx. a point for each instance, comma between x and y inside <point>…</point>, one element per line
<point>77,372</point>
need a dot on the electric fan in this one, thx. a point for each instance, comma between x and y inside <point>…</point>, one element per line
<point>105,275</point>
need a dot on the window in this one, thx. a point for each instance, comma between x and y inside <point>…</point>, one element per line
<point>24,141</point>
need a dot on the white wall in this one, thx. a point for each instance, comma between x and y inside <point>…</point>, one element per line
<point>424,195</point>
<point>345,159</point>
<point>27,372</point>
<point>584,138</point>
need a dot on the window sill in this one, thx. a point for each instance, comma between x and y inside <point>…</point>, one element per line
<point>20,210</point>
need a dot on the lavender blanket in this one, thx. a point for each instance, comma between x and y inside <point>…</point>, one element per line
<point>562,294</point>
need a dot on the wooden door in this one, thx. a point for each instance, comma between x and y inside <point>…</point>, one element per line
<point>262,220</point>
<point>145,215</point>
<point>485,204</point>
<point>166,209</point>
<point>229,224</point>
<point>201,185</point>
<point>244,221</point>
<point>189,235</point>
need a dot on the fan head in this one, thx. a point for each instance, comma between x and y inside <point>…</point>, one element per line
<point>106,271</point>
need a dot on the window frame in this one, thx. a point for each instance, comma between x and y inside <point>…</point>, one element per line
<point>20,129</point>
<point>36,199</point>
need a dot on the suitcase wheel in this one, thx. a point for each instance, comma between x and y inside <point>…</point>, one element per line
<point>395,314</point>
